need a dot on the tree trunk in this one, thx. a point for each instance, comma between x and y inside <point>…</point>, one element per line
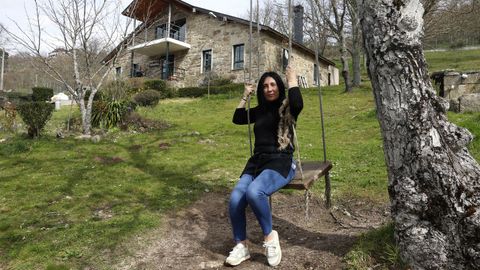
<point>356,50</point>
<point>356,63</point>
<point>86,116</point>
<point>343,59</point>
<point>434,183</point>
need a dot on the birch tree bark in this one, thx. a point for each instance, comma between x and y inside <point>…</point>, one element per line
<point>434,183</point>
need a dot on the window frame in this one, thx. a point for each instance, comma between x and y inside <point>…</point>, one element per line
<point>202,66</point>
<point>234,60</point>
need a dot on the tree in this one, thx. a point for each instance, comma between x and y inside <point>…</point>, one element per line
<point>333,13</point>
<point>434,183</point>
<point>451,23</point>
<point>356,41</point>
<point>84,29</point>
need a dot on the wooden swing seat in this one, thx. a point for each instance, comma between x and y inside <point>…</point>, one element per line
<point>312,171</point>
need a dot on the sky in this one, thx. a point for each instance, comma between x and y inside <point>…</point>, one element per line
<point>15,10</point>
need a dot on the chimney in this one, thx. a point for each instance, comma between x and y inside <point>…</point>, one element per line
<point>298,23</point>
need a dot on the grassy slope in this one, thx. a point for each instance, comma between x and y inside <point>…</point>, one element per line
<point>461,60</point>
<point>55,194</point>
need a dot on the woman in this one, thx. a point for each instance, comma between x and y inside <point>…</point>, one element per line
<point>272,165</point>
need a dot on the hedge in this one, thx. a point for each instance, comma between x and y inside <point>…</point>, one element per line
<point>234,88</point>
<point>42,93</point>
<point>35,115</point>
<point>147,98</point>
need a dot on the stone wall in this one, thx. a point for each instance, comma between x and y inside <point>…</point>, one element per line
<point>457,84</point>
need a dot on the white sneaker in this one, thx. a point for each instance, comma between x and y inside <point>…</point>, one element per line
<point>272,250</point>
<point>239,254</point>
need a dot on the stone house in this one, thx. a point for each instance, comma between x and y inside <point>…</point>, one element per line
<point>461,89</point>
<point>186,45</point>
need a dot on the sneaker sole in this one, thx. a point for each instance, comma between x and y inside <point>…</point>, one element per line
<point>239,262</point>
<point>278,261</point>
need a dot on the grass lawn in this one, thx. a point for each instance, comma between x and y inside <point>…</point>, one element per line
<point>460,60</point>
<point>68,204</point>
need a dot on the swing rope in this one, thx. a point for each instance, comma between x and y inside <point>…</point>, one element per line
<point>250,78</point>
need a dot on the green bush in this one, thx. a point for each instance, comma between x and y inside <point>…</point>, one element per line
<point>161,87</point>
<point>35,115</point>
<point>98,96</point>
<point>147,98</point>
<point>18,97</point>
<point>235,89</point>
<point>191,92</point>
<point>214,79</point>
<point>42,94</point>
<point>115,90</point>
<point>109,114</point>
<point>158,85</point>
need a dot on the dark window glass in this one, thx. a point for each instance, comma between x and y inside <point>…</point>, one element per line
<point>238,51</point>
<point>316,78</point>
<point>284,58</point>
<point>207,60</point>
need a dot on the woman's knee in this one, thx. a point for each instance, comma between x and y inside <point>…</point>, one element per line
<point>236,197</point>
<point>254,193</point>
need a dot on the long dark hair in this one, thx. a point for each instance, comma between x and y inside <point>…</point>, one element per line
<point>281,89</point>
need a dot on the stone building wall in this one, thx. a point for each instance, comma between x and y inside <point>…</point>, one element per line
<point>204,32</point>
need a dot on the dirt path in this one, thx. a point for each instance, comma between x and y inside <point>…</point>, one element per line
<point>199,237</point>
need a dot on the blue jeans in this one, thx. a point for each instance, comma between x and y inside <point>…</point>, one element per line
<point>255,192</point>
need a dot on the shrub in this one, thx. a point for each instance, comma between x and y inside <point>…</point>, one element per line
<point>142,124</point>
<point>158,85</point>
<point>18,97</point>
<point>110,114</point>
<point>42,94</point>
<point>136,83</point>
<point>10,116</point>
<point>147,98</point>
<point>116,90</point>
<point>191,92</point>
<point>215,80</point>
<point>235,89</point>
<point>35,115</point>
<point>167,93</point>
<point>98,96</point>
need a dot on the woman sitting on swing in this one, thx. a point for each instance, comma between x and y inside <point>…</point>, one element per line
<point>271,167</point>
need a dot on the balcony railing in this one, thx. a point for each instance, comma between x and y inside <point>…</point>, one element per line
<point>164,43</point>
<point>176,31</point>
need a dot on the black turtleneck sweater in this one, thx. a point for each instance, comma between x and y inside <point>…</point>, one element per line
<point>266,119</point>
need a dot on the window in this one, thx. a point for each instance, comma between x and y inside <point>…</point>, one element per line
<point>167,66</point>
<point>284,59</point>
<point>136,71</point>
<point>238,51</point>
<point>206,61</point>
<point>316,77</point>
<point>118,71</point>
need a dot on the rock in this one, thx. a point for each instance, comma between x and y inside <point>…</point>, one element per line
<point>3,140</point>
<point>60,135</point>
<point>454,105</point>
<point>96,138</point>
<point>164,146</point>
<point>206,141</point>
<point>83,137</point>
<point>469,103</point>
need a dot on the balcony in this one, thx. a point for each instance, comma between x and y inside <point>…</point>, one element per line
<point>158,47</point>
